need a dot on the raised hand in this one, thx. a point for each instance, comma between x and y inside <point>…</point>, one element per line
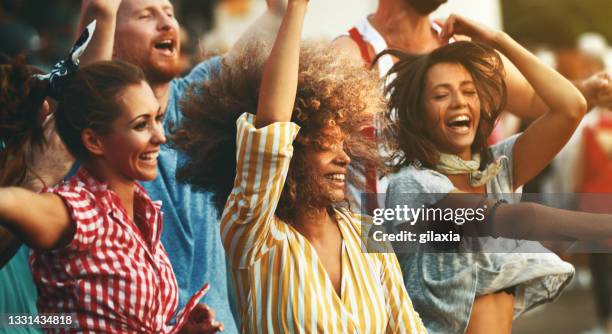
<point>107,7</point>
<point>459,25</point>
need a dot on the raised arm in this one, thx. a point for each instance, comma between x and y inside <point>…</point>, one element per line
<point>41,220</point>
<point>280,75</point>
<point>105,13</point>
<point>264,151</point>
<point>538,145</point>
<point>525,103</point>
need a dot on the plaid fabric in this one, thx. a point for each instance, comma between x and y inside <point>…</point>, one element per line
<point>113,277</point>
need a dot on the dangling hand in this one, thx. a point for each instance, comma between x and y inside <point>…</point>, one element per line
<point>201,320</point>
<point>597,89</point>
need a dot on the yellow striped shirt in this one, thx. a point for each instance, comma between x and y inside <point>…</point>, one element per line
<point>282,286</point>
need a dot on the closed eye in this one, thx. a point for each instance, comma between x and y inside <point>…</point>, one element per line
<point>140,126</point>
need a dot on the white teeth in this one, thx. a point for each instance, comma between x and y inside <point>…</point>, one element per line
<point>149,156</point>
<point>338,177</point>
<point>460,118</point>
<point>165,44</point>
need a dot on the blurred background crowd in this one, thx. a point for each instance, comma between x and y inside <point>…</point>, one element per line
<point>571,35</point>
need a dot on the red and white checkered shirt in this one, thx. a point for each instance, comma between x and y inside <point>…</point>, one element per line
<point>115,279</point>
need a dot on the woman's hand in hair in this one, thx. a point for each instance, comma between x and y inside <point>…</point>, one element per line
<point>459,25</point>
<point>49,162</point>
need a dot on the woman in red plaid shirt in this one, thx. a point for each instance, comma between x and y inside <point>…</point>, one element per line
<point>96,237</point>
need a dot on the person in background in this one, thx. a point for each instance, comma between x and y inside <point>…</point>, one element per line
<point>146,33</point>
<point>406,25</point>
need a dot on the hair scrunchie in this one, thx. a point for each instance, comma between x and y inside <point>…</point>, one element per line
<point>62,71</point>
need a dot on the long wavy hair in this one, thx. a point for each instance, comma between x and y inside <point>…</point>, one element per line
<point>406,129</point>
<point>21,121</point>
<point>332,89</point>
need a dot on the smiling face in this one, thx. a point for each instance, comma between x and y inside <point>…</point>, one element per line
<point>132,146</point>
<point>328,165</point>
<point>452,105</point>
<point>147,35</point>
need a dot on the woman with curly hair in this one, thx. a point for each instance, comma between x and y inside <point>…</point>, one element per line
<point>294,250</point>
<point>442,108</point>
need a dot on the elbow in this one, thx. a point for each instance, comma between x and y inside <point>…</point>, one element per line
<point>43,242</point>
<point>577,108</point>
<point>53,239</point>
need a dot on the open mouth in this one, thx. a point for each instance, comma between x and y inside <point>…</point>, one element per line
<point>336,178</point>
<point>460,124</point>
<point>166,46</point>
<point>149,157</point>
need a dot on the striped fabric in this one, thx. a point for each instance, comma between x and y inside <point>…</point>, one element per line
<point>282,286</point>
<point>115,279</point>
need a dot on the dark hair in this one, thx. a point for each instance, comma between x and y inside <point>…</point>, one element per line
<point>21,99</point>
<point>89,101</point>
<point>407,130</point>
<point>331,89</point>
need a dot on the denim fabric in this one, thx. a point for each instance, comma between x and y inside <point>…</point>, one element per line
<point>443,286</point>
<point>191,234</point>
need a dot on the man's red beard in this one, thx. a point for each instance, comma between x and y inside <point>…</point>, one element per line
<point>161,72</point>
<point>156,71</point>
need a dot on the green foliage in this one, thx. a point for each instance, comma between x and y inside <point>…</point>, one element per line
<point>556,22</point>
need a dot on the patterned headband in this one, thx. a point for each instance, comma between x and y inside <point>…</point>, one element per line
<point>62,71</point>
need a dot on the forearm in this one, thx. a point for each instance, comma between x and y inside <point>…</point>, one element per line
<point>280,76</point>
<point>43,224</point>
<point>561,97</point>
<point>538,222</point>
<point>527,220</point>
<point>101,46</point>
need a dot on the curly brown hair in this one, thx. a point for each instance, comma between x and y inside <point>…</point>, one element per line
<point>332,89</point>
<point>21,122</point>
<point>406,129</point>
